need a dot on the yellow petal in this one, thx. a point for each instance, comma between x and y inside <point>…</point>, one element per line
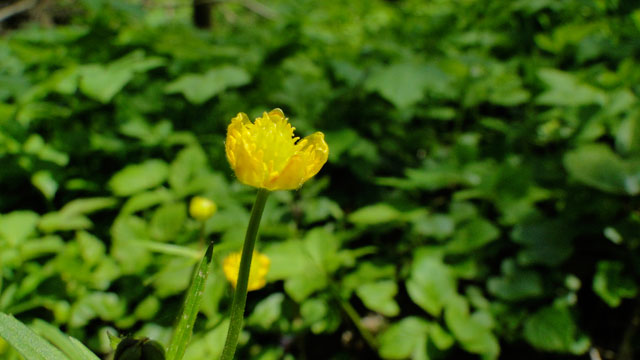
<point>290,177</point>
<point>277,112</point>
<point>316,152</point>
<point>240,150</point>
<point>257,273</point>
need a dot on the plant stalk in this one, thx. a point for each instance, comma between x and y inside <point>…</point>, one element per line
<point>355,318</point>
<point>240,294</point>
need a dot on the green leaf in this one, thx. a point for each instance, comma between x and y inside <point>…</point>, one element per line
<point>302,286</point>
<point>104,82</point>
<point>210,344</point>
<point>366,272</point>
<point>73,349</point>
<point>432,283</point>
<point>403,338</point>
<point>127,233</point>
<point>267,312</point>
<point>198,88</point>
<point>611,284</point>
<point>628,135</point>
<point>320,208</point>
<point>34,248</point>
<point>30,345</point>
<point>472,236</point>
<point>287,259</point>
<point>546,242</point>
<point>551,329</point>
<point>59,221</point>
<point>173,278</point>
<point>147,308</point>
<point>375,214</point>
<point>438,226</point>
<point>379,296</point>
<point>515,284</point>
<point>564,89</point>
<point>17,226</point>
<point>102,305</point>
<point>145,200</point>
<point>440,338</point>
<point>473,331</point>
<point>596,165</point>
<point>58,35</point>
<point>188,163</point>
<point>88,205</point>
<point>72,215</point>
<point>167,221</point>
<point>135,178</point>
<point>405,84</point>
<point>321,246</point>
<point>319,315</point>
<point>44,181</point>
<point>304,264</point>
<point>36,146</point>
<point>190,308</point>
<point>92,249</point>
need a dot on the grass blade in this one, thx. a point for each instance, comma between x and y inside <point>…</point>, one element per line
<point>29,344</point>
<point>73,348</point>
<point>190,308</point>
<point>88,354</point>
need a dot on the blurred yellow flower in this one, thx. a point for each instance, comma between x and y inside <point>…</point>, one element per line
<point>202,208</point>
<point>257,273</point>
<point>266,154</point>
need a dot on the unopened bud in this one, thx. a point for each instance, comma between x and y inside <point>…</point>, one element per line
<point>202,208</point>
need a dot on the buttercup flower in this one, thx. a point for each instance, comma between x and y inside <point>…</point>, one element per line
<point>266,154</point>
<point>202,208</point>
<point>257,274</point>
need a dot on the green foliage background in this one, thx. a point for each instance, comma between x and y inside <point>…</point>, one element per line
<point>481,197</point>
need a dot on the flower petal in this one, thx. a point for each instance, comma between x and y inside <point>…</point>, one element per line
<point>277,112</point>
<point>316,152</point>
<point>290,177</point>
<point>240,150</point>
<point>311,154</point>
<point>257,272</point>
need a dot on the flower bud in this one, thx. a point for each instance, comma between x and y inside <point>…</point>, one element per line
<point>202,208</point>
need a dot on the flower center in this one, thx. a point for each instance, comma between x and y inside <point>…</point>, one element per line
<point>274,140</point>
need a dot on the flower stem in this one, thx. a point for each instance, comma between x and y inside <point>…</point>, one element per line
<point>240,294</point>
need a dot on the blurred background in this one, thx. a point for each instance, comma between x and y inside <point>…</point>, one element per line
<point>480,199</point>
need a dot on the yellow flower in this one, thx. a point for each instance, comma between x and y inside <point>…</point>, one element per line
<point>266,154</point>
<point>202,208</point>
<point>257,273</point>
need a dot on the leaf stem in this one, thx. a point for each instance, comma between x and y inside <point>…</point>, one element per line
<point>240,294</point>
<point>355,318</point>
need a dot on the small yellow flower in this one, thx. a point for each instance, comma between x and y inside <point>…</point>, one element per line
<point>257,273</point>
<point>266,154</point>
<point>202,208</point>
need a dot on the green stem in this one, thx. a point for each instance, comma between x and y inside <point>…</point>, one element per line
<point>201,234</point>
<point>355,318</point>
<point>240,294</point>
